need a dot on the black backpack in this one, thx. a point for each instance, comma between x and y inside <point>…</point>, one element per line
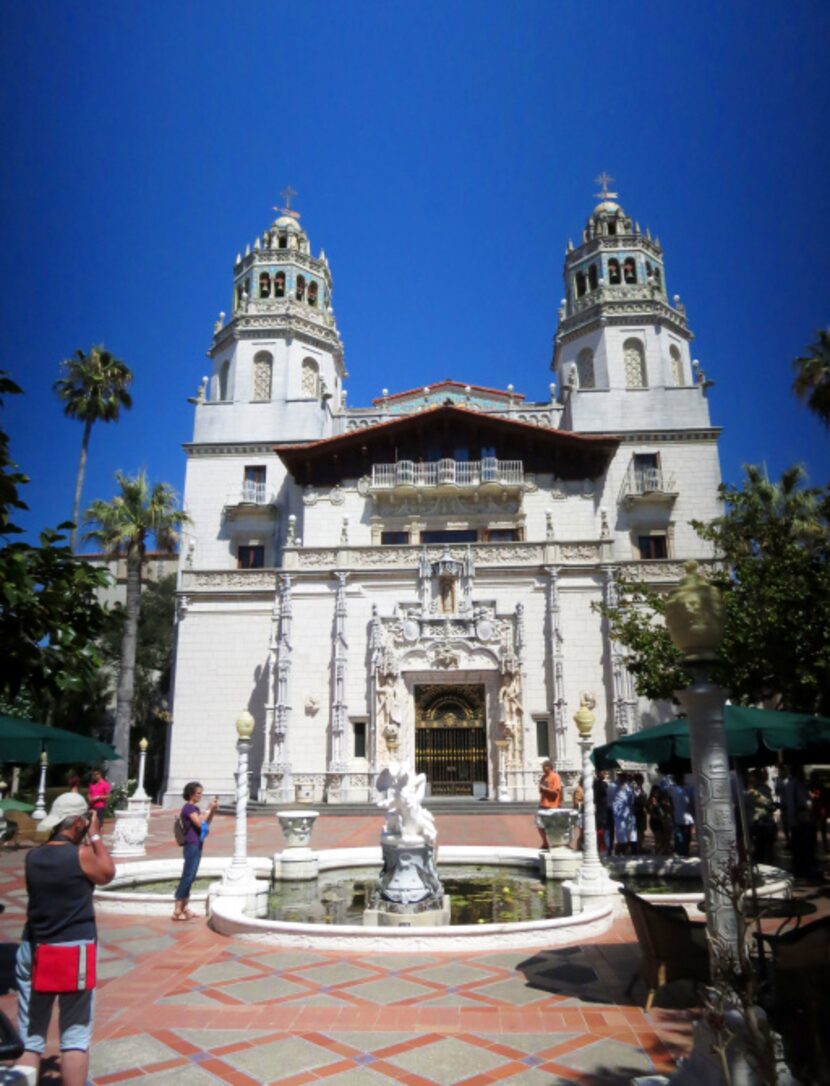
<point>179,829</point>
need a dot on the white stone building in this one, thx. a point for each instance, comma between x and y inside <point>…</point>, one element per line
<point>414,579</point>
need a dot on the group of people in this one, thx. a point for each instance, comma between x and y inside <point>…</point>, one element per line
<point>626,811</point>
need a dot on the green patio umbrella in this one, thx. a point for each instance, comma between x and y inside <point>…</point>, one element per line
<point>750,733</point>
<point>24,740</point>
<point>15,805</point>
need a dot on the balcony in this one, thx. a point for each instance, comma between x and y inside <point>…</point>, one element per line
<point>251,498</point>
<point>647,486</point>
<point>407,475</point>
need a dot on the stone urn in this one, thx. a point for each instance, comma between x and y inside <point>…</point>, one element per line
<point>557,823</point>
<point>130,833</point>
<point>297,862</point>
<point>695,616</point>
<point>296,827</point>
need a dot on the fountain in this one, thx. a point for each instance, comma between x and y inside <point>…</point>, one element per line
<point>408,891</point>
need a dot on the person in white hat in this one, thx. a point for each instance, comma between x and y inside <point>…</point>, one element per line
<point>61,876</point>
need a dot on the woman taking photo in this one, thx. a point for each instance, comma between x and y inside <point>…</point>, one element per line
<point>195,826</point>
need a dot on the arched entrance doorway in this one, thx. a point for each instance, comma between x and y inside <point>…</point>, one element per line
<point>451,737</point>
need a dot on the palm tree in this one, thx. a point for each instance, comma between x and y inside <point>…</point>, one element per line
<point>812,380</point>
<point>122,528</point>
<point>93,387</point>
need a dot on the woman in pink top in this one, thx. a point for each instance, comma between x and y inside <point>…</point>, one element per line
<point>98,794</point>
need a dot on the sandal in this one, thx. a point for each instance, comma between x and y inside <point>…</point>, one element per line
<point>188,915</point>
<point>180,917</point>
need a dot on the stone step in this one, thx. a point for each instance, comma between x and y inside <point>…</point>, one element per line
<point>439,805</point>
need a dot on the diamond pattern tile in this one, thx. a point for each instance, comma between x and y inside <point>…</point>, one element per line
<point>390,990</point>
<point>280,1059</point>
<point>447,1061</point>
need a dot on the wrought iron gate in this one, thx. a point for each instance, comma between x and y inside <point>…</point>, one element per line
<point>451,737</point>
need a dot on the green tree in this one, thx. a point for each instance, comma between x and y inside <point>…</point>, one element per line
<point>93,387</point>
<point>812,376</point>
<point>774,542</point>
<point>123,527</point>
<point>50,616</point>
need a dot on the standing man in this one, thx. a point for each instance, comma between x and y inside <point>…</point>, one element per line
<point>550,796</point>
<point>60,878</point>
<point>98,794</point>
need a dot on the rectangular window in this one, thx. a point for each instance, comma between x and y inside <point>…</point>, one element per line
<point>359,728</point>
<point>253,483</point>
<point>249,556</point>
<point>446,535</point>
<point>542,740</point>
<point>503,535</point>
<point>388,539</point>
<point>646,472</point>
<point>653,546</point>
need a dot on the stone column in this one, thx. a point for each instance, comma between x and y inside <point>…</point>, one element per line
<point>281,762</point>
<point>559,706</point>
<point>502,791</point>
<point>339,710</point>
<point>694,617</point>
<point>40,803</point>
<point>624,698</point>
<point>139,793</point>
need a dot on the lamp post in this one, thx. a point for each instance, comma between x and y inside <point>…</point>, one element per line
<point>593,880</point>
<point>139,793</point>
<point>239,868</point>
<point>239,880</point>
<point>40,803</point>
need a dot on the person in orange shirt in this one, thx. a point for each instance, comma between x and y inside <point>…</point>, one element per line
<point>550,795</point>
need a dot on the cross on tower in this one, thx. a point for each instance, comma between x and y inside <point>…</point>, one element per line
<point>604,180</point>
<point>288,194</point>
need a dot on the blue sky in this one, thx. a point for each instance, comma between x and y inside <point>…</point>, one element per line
<point>443,154</point>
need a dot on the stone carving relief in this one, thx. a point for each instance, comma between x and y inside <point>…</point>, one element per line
<point>312,705</point>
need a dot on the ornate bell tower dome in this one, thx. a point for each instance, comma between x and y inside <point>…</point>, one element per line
<point>621,352</point>
<point>281,347</point>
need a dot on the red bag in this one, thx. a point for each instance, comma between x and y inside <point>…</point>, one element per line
<point>59,967</point>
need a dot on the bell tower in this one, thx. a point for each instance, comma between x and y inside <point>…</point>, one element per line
<point>277,362</point>
<point>621,351</point>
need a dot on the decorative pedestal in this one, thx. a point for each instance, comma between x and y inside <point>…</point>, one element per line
<point>560,861</point>
<point>242,885</point>
<point>131,827</point>
<point>297,861</point>
<point>409,892</point>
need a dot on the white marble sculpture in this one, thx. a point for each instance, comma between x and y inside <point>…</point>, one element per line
<point>402,796</point>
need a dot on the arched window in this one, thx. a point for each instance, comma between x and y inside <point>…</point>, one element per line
<point>580,284</point>
<point>300,287</point>
<point>592,277</point>
<point>585,368</point>
<point>279,285</point>
<point>283,241</point>
<point>310,377</point>
<point>264,285</point>
<point>657,281</point>
<point>614,277</point>
<point>629,270</point>
<point>634,362</point>
<point>222,388</point>
<point>312,294</point>
<point>262,376</point>
<point>678,377</point>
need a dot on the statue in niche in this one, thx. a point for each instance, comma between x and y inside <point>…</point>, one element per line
<point>388,708</point>
<point>446,588</point>
<point>510,697</point>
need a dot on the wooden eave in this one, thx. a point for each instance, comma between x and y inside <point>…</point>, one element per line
<point>435,433</point>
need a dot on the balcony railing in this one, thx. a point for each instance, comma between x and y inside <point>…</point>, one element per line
<point>251,493</point>
<point>459,473</point>
<point>647,484</point>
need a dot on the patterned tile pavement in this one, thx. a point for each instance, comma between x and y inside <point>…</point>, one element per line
<point>179,1005</point>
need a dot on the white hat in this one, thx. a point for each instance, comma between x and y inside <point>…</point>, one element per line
<point>66,805</point>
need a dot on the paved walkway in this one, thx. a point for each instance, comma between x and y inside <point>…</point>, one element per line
<point>179,1005</point>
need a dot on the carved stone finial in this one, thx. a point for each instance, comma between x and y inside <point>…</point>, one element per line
<point>584,716</point>
<point>695,616</point>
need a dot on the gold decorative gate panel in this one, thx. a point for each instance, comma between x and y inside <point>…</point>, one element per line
<point>451,737</point>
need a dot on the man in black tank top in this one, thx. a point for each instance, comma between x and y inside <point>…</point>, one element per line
<point>60,879</point>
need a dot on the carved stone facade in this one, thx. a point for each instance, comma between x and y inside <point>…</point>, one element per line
<point>426,582</point>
